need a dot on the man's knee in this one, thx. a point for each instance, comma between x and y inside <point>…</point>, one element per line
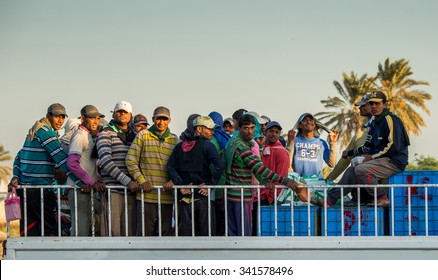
<point>362,170</point>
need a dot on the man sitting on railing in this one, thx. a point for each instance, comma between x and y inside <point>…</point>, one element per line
<point>240,164</point>
<point>385,151</point>
<point>343,164</point>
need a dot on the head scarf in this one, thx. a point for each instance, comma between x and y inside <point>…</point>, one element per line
<point>190,130</point>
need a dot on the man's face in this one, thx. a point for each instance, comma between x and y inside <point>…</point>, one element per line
<point>307,124</point>
<point>376,108</point>
<point>263,128</point>
<point>56,121</point>
<point>273,134</point>
<point>122,117</point>
<point>161,124</point>
<point>140,127</point>
<point>205,132</point>
<point>247,131</point>
<point>236,124</point>
<point>261,140</point>
<point>365,110</point>
<point>91,124</point>
<point>228,128</point>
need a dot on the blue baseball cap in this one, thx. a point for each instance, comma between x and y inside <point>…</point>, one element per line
<point>272,124</point>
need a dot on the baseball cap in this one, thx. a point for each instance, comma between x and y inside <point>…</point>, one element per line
<point>204,121</point>
<point>377,96</point>
<point>91,112</point>
<point>266,118</point>
<point>123,105</point>
<point>140,119</point>
<point>301,118</point>
<point>318,124</point>
<point>364,100</point>
<point>230,120</point>
<point>57,109</point>
<point>161,112</point>
<point>272,124</point>
<point>257,116</point>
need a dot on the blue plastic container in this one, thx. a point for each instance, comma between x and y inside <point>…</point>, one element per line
<point>351,221</point>
<point>418,221</point>
<point>284,224</point>
<point>417,194</point>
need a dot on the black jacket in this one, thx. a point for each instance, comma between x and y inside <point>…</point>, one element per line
<point>200,164</point>
<point>387,137</point>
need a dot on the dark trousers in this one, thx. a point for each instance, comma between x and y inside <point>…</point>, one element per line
<point>219,217</point>
<point>351,177</point>
<point>234,209</point>
<point>200,216</point>
<point>151,219</point>
<point>33,200</point>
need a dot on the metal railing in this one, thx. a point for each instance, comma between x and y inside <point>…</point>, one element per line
<point>293,219</point>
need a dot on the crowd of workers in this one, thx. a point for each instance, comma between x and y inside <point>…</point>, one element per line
<point>247,149</point>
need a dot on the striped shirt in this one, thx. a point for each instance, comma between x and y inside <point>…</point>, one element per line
<point>35,163</point>
<point>243,165</point>
<point>111,158</point>
<point>146,161</point>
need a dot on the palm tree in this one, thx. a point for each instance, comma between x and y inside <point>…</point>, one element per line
<point>397,85</point>
<point>5,170</point>
<point>346,117</point>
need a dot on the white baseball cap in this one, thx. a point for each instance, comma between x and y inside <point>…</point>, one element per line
<point>123,105</point>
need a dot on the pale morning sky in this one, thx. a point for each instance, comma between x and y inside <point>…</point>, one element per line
<point>278,58</point>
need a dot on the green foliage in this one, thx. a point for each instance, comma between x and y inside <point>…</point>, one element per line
<point>424,163</point>
<point>403,99</point>
<point>392,78</point>
<point>345,116</point>
<point>5,170</point>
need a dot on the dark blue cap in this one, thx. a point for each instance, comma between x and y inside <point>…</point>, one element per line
<point>272,124</point>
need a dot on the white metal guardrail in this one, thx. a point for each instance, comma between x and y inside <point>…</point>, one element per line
<point>283,232</point>
<point>378,221</point>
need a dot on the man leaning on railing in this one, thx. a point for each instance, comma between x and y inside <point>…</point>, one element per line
<point>240,164</point>
<point>35,164</point>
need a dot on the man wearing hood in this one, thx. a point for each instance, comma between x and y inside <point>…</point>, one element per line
<point>146,161</point>
<point>35,165</point>
<point>309,151</point>
<point>220,139</point>
<point>195,161</point>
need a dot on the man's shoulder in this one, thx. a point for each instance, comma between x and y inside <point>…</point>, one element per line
<point>395,118</point>
<point>243,147</point>
<point>107,132</point>
<point>46,129</point>
<point>173,136</point>
<point>143,133</point>
<point>172,139</point>
<point>45,132</point>
<point>207,144</point>
<point>82,132</point>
